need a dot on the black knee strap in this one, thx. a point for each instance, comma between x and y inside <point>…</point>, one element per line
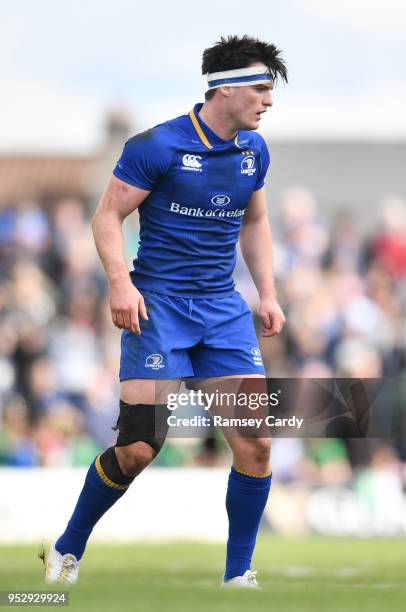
<point>112,470</point>
<point>142,423</point>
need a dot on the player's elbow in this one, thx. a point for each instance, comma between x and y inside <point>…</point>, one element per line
<point>95,222</point>
<point>104,217</point>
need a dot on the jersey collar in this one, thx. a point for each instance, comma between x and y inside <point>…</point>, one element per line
<point>206,135</point>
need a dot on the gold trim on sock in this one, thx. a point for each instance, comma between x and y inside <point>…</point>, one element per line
<point>105,478</point>
<point>253,475</point>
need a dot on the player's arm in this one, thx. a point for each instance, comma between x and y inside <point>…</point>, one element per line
<point>256,248</point>
<point>117,202</point>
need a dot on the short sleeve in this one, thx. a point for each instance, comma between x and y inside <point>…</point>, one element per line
<point>264,165</point>
<point>144,160</point>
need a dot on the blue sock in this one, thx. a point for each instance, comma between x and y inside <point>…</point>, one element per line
<point>94,500</point>
<point>245,502</point>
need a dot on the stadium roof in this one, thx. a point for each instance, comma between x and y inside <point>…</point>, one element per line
<point>30,176</point>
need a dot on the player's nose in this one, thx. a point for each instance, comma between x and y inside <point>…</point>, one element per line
<point>268,101</point>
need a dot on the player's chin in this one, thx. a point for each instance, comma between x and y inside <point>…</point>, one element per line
<point>250,124</point>
<point>254,124</point>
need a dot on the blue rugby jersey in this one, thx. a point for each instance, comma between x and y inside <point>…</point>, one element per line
<point>200,187</point>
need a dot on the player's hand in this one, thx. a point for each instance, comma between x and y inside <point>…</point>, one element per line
<point>272,317</point>
<point>127,304</point>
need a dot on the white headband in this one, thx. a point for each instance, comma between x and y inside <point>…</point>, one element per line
<point>239,77</point>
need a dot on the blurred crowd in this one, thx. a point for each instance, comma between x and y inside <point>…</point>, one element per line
<point>343,290</point>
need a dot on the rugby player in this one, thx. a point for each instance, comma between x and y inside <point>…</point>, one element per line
<point>198,184</point>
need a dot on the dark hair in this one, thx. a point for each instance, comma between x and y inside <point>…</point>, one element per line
<point>240,52</point>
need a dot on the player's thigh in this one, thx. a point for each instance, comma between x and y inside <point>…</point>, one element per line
<point>237,396</point>
<point>148,391</point>
<point>209,381</point>
<point>234,383</point>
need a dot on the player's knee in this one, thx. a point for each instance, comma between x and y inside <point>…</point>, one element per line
<point>144,424</point>
<point>263,451</point>
<point>256,451</point>
<point>135,457</point>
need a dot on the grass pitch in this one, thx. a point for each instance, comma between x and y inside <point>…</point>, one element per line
<point>296,576</point>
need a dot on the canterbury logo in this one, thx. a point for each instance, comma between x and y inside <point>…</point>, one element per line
<point>191,161</point>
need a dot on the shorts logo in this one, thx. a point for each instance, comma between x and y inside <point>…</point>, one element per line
<point>154,361</point>
<point>256,355</point>
<point>220,200</point>
<point>248,165</point>
<point>191,162</point>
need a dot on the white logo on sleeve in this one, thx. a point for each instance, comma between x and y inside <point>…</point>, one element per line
<point>248,165</point>
<point>191,162</point>
<point>154,361</point>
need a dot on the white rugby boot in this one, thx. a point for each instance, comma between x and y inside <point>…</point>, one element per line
<point>247,581</point>
<point>59,568</point>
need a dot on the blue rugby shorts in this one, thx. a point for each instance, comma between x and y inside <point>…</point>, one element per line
<point>191,337</point>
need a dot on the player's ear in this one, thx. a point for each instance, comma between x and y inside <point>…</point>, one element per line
<point>225,91</point>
